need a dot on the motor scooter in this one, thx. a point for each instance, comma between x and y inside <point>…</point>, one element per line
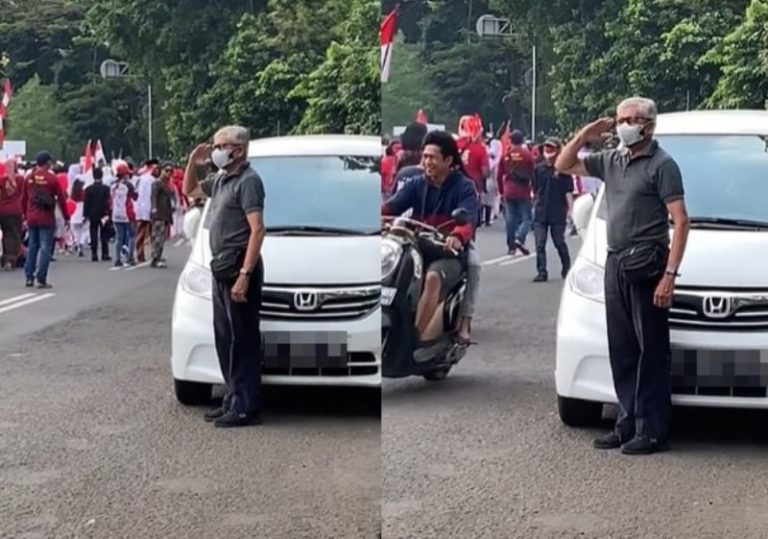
<point>404,244</point>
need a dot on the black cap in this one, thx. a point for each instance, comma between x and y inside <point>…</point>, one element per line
<point>517,137</point>
<point>43,158</point>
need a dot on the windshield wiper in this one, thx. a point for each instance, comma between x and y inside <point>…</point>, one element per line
<point>299,230</point>
<point>728,222</point>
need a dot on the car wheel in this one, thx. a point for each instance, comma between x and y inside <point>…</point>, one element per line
<point>579,413</point>
<point>192,393</point>
<point>437,375</point>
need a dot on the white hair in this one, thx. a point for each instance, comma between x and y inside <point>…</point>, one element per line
<point>234,134</point>
<point>647,106</point>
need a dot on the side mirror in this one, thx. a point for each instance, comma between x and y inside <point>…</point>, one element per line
<point>582,210</point>
<point>460,216</point>
<point>192,222</point>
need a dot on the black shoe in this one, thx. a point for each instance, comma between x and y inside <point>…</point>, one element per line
<point>214,414</point>
<point>94,259</point>
<point>540,278</point>
<point>44,285</point>
<point>523,248</point>
<point>643,445</point>
<point>30,283</point>
<point>106,258</point>
<point>237,419</point>
<point>118,264</point>
<point>607,441</point>
<point>511,252</point>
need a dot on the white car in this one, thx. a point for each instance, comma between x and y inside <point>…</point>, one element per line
<point>322,273</point>
<point>719,319</point>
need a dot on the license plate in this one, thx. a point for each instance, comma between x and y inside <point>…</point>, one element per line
<point>720,368</point>
<point>388,295</point>
<point>307,349</point>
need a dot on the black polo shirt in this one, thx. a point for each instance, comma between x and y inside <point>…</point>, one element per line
<point>551,188</point>
<point>233,196</point>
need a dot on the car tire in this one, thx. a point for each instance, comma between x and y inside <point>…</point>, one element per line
<point>579,413</point>
<point>437,375</point>
<point>192,393</point>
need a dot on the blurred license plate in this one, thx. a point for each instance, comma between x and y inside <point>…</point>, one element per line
<point>719,368</point>
<point>305,349</point>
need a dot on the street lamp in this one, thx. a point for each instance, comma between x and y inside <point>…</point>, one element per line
<point>492,26</point>
<point>112,69</point>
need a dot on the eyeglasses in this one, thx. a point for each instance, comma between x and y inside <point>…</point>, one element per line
<point>633,120</point>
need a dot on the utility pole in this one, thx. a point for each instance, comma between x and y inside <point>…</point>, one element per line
<point>533,97</point>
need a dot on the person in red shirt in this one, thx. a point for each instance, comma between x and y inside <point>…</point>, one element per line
<point>41,194</point>
<point>388,163</point>
<point>11,214</point>
<point>474,155</point>
<point>516,183</point>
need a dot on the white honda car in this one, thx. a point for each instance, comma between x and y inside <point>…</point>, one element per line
<point>321,309</point>
<point>719,318</point>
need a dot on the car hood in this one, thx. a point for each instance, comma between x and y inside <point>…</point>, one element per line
<point>315,260</point>
<point>727,258</point>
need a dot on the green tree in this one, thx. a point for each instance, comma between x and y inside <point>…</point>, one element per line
<point>35,116</point>
<point>742,58</point>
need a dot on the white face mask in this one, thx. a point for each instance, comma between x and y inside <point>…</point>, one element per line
<point>550,155</point>
<point>630,134</point>
<point>221,158</point>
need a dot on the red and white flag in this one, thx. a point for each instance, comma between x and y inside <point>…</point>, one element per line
<point>98,156</point>
<point>88,160</point>
<point>387,38</point>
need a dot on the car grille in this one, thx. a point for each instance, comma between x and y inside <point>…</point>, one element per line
<point>358,364</point>
<point>724,309</point>
<point>337,303</point>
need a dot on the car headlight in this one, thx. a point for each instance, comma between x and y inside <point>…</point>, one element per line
<point>586,279</point>
<point>391,251</point>
<point>196,280</point>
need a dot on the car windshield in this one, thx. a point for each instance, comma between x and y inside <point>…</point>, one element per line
<point>725,177</point>
<point>320,194</point>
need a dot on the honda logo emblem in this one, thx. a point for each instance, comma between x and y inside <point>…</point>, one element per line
<point>717,306</point>
<point>305,301</point>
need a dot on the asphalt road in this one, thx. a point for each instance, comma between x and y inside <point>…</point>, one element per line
<point>483,454</point>
<point>93,443</point>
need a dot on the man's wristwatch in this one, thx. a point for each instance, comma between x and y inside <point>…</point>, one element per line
<point>245,273</point>
<point>672,272</point>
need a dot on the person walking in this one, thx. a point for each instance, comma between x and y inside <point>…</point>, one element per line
<point>144,187</point>
<point>96,209</point>
<point>553,206</point>
<point>236,236</point>
<point>518,168</point>
<point>162,214</point>
<point>643,188</point>
<point>41,195</point>
<point>11,215</point>
<point>123,215</point>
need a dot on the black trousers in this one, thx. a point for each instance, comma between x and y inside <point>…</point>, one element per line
<point>638,343</point>
<point>558,238</point>
<point>98,236</point>
<point>237,337</point>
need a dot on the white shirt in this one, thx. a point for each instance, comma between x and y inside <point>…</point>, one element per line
<point>144,202</point>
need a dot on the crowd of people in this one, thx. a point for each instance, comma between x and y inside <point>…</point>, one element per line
<point>48,209</point>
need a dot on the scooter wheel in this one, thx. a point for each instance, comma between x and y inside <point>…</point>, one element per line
<point>437,375</point>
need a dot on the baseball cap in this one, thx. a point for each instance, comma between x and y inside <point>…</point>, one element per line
<point>517,137</point>
<point>43,158</point>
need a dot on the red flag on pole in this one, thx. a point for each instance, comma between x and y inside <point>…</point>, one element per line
<point>5,101</point>
<point>506,140</point>
<point>421,117</point>
<point>387,39</point>
<point>88,163</point>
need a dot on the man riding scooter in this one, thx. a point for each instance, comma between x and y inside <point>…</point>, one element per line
<point>433,196</point>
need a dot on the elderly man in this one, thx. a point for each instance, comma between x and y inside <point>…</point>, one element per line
<point>644,188</point>
<point>236,236</point>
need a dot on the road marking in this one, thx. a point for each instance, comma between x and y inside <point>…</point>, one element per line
<point>142,265</point>
<point>516,260</point>
<point>179,242</point>
<point>497,260</point>
<point>29,301</point>
<point>15,299</point>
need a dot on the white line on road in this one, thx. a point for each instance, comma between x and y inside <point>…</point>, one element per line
<point>15,299</point>
<point>497,260</point>
<point>143,264</point>
<point>516,260</point>
<point>179,242</point>
<point>29,301</point>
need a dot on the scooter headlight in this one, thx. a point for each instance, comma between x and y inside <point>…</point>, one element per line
<point>586,279</point>
<point>391,252</point>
